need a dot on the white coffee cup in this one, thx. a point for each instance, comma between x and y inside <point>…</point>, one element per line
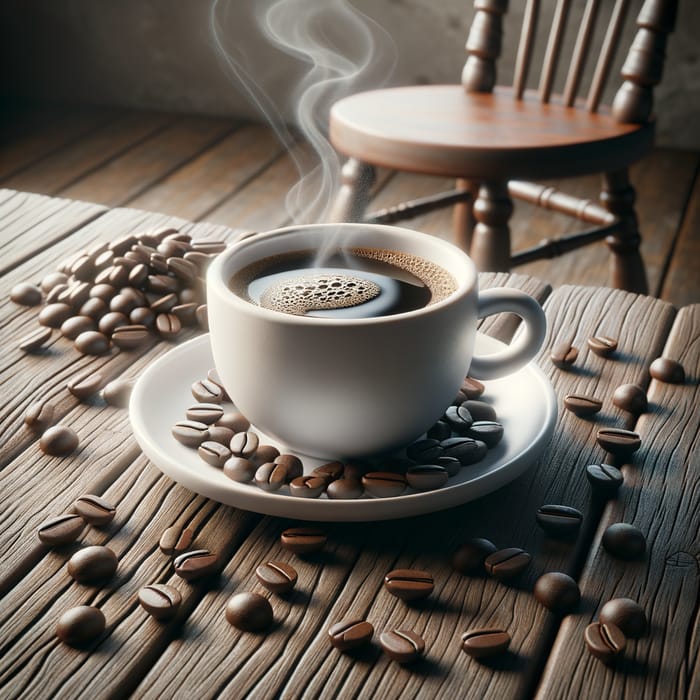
<point>342,388</point>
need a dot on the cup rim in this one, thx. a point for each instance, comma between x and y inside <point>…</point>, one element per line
<point>217,272</point>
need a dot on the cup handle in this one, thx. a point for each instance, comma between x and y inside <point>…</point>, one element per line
<point>527,342</point>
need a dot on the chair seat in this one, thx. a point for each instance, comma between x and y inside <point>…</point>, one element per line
<point>442,130</point>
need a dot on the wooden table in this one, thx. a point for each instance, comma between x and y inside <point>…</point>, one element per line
<point>200,655</point>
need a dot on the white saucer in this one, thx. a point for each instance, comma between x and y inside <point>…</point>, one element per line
<point>524,402</point>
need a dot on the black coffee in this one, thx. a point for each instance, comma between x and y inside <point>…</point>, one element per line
<point>353,283</point>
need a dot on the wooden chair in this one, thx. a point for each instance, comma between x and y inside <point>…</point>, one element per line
<point>492,138</point>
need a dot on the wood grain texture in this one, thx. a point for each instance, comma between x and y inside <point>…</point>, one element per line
<point>660,496</point>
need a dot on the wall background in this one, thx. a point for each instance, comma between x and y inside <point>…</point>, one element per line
<point>160,54</point>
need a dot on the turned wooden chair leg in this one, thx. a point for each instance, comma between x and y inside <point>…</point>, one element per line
<point>626,265</point>
<point>490,249</point>
<point>353,196</point>
<point>463,221</point>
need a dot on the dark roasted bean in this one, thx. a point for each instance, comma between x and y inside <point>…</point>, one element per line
<point>85,386</point>
<point>451,464</point>
<point>39,416</point>
<point>465,449</point>
<point>631,398</point>
<point>176,540</point>
<point>80,625</point>
<point>350,634</point>
<point>190,433</point>
<point>303,540</point>
<point>35,340</point>
<point>426,477</point>
<point>409,584</point>
<point>58,440</point>
<point>61,530</point>
<point>160,600</point>
<point>618,442</point>
<point>424,451</point>
<point>602,345</point>
<point>440,431</point>
<point>93,564</point>
<point>479,410</point>
<point>384,484</point>
<point>605,641</point>
<point>195,564</point>
<point>277,576</point>
<point>402,645</point>
<point>582,405</point>
<point>624,541</point>
<point>344,489</point>
<point>214,453</point>
<point>469,557</point>
<point>485,642</point>
<point>563,355</point>
<point>329,471</point>
<point>459,418</point>
<point>627,614</point>
<point>489,432</point>
<point>559,521</point>
<point>26,294</point>
<point>558,592</point>
<point>664,369</point>
<point>249,612</point>
<point>94,509</point>
<point>604,479</point>
<point>506,563</point>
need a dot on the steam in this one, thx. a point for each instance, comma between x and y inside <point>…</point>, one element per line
<point>337,51</point>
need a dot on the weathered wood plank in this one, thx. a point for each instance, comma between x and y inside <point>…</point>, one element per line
<point>660,496</point>
<point>125,177</point>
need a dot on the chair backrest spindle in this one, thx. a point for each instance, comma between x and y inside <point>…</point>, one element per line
<point>484,45</point>
<point>551,56</point>
<point>527,36</point>
<point>578,58</point>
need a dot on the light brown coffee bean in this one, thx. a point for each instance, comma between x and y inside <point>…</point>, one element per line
<point>53,315</point>
<point>582,405</point>
<point>208,413</point>
<point>267,453</point>
<point>92,343</point>
<point>26,294</point>
<point>72,327</point>
<point>384,484</point>
<point>170,248</point>
<point>83,387</point>
<point>184,270</point>
<point>59,440</point>
<point>618,442</point>
<point>563,355</point>
<point>164,304</point>
<point>190,433</point>
<point>627,614</point>
<point>123,303</point>
<point>270,476</point>
<point>61,530</point>
<point>214,453</point>
<point>218,433</point>
<point>39,416</point>
<point>207,392</point>
<point>426,477</point>
<point>160,600</point>
<point>277,576</point>
<point>559,521</point>
<point>472,388</point>
<point>631,398</point>
<point>93,308</point>
<point>187,313</point>
<point>307,486</point>
<point>80,625</point>
<point>139,273</point>
<point>94,509</point>
<point>176,540</point>
<point>236,422</point>
<point>350,634</point>
<point>162,283</point>
<point>303,540</point>
<point>469,557</point>
<point>56,294</point>
<point>506,563</point>
<point>168,325</point>
<point>142,316</point>
<point>485,643</point>
<point>602,345</point>
<point>118,392</point>
<point>292,463</point>
<point>111,321</point>
<point>130,337</point>
<point>329,471</point>
<point>409,584</point>
<point>558,592</point>
<point>244,444</point>
<point>93,564</point>
<point>249,612</point>
<point>35,340</point>
<point>344,489</point>
<point>664,369</point>
<point>209,247</point>
<point>53,279</point>
<point>240,469</point>
<point>196,564</point>
<point>103,291</point>
<point>402,645</point>
<point>624,541</point>
<point>605,641</point>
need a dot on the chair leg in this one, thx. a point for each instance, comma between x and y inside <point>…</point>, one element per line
<point>351,201</point>
<point>626,265</point>
<point>463,215</point>
<point>490,249</point>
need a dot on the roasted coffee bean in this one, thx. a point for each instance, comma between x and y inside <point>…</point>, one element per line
<point>218,433</point>
<point>142,316</point>
<point>440,431</point>
<point>122,244</point>
<point>92,343</point>
<point>384,484</point>
<point>53,315</point>
<point>93,564</point>
<point>79,296</point>
<point>631,398</point>
<point>207,392</point>
<point>164,304</point>
<point>59,440</point>
<point>195,564</point>
<point>138,275</point>
<point>26,294</point>
<point>667,370</point>
<point>168,325</point>
<point>458,418</point>
<point>485,642</point>
<point>303,540</point>
<point>409,584</point>
<point>479,410</point>
<point>161,284</point>
<point>214,453</point>
<point>307,486</point>
<point>200,260</point>
<point>170,248</point>
<point>426,477</point>
<point>53,279</point>
<point>85,386</point>
<point>130,337</point>
<point>344,489</point>
<point>176,540</point>
<point>402,645</point>
<point>582,405</point>
<point>237,422</point>
<point>451,464</point>
<point>268,453</point>
<point>559,521</point>
<point>209,247</point>
<point>39,416</point>
<point>469,557</point>
<point>563,355</point>
<point>249,612</point>
<point>244,444</point>
<point>465,449</point>
<point>187,313</point>
<point>424,451</point>
<point>624,541</point>
<point>202,317</point>
<point>184,270</point>
<point>160,600</point>
<point>350,634</point>
<point>604,479</point>
<point>605,641</point>
<point>602,345</point>
<point>61,530</point>
<point>208,413</point>
<point>35,340</point>
<point>93,308</point>
<point>627,614</point>
<point>472,388</point>
<point>158,264</point>
<point>56,294</point>
<point>72,327</point>
<point>329,471</point>
<point>506,563</point>
<point>123,303</point>
<point>111,321</point>
<point>80,625</point>
<point>190,433</point>
<point>103,291</point>
<point>618,442</point>
<point>117,392</point>
<point>270,476</point>
<point>277,576</point>
<point>84,268</point>
<point>489,432</point>
<point>94,509</point>
<point>557,592</point>
<point>355,470</point>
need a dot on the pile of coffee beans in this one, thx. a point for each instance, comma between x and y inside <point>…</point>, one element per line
<point>123,293</point>
<point>223,439</point>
